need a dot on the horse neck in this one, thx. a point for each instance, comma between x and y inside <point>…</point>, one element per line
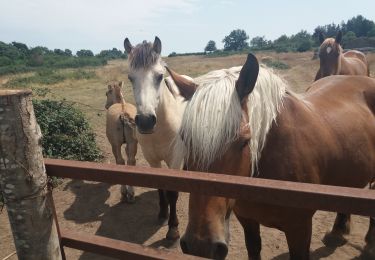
<point>340,62</point>
<point>169,110</point>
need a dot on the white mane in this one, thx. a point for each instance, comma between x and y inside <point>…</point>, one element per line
<point>212,118</point>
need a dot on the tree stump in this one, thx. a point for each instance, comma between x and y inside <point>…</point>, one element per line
<point>23,179</point>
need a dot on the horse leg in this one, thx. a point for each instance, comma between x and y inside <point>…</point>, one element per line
<point>172,233</point>
<point>163,208</point>
<point>116,150</point>
<point>253,240</point>
<point>298,236</point>
<point>163,203</point>
<point>369,250</point>
<point>126,190</point>
<point>341,227</point>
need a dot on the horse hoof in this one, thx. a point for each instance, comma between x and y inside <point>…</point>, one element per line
<point>334,240</point>
<point>173,234</point>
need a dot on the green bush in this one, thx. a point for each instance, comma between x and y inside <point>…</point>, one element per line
<point>66,132</point>
<point>276,64</point>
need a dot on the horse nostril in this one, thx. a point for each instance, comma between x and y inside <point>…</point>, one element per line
<point>183,246</point>
<point>220,250</point>
<point>153,119</point>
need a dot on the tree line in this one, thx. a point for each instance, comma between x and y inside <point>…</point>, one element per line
<point>18,57</point>
<point>358,32</point>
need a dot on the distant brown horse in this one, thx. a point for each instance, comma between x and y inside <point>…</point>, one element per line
<point>247,122</point>
<point>120,129</point>
<point>334,62</point>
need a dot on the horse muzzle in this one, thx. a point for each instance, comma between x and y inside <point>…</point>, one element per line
<point>145,123</point>
<point>217,250</point>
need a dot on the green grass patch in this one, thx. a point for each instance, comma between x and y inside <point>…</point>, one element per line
<point>49,77</point>
<point>276,64</point>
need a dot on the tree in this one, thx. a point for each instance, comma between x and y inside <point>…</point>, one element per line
<point>112,54</point>
<point>260,42</point>
<point>85,53</point>
<point>211,46</point>
<point>68,52</point>
<point>359,25</point>
<point>59,52</point>
<point>301,41</point>
<point>371,33</point>
<point>24,182</point>
<point>21,47</point>
<point>282,44</point>
<point>236,40</point>
<point>348,37</point>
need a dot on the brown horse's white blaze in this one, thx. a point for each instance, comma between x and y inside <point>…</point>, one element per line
<point>160,105</point>
<point>333,60</point>
<point>257,127</point>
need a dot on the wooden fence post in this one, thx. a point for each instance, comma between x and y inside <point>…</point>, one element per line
<point>23,179</point>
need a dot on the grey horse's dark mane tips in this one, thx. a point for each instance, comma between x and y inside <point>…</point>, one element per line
<point>143,56</point>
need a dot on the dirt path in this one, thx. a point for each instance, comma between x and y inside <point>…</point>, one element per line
<point>95,208</point>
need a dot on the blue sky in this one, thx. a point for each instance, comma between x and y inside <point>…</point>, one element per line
<point>182,25</point>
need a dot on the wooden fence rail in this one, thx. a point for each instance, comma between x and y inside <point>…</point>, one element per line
<point>282,193</point>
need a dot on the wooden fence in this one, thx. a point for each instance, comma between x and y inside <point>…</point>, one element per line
<point>282,193</point>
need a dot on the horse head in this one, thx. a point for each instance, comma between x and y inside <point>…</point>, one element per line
<point>227,151</point>
<point>146,71</point>
<point>329,54</point>
<point>113,94</point>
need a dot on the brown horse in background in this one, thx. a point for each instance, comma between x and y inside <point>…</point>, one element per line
<point>120,129</point>
<point>247,122</point>
<point>334,62</point>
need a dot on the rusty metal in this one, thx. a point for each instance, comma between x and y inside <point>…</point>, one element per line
<point>52,202</point>
<point>281,193</point>
<point>116,248</point>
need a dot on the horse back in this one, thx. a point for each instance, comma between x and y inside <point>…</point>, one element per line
<point>356,62</point>
<point>326,137</point>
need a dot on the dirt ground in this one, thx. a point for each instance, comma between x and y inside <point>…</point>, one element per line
<point>95,208</point>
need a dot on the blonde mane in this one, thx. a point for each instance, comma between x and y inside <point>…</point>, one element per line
<point>212,118</point>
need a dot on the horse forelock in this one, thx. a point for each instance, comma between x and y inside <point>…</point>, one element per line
<point>212,118</point>
<point>143,56</point>
<point>330,46</point>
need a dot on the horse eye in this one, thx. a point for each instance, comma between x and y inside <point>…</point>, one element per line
<point>159,77</point>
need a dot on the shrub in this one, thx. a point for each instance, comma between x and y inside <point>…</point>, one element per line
<point>276,64</point>
<point>66,132</point>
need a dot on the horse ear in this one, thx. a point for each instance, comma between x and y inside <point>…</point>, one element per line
<point>128,46</point>
<point>248,77</point>
<point>338,37</point>
<point>157,45</point>
<point>187,87</point>
<point>109,87</point>
<point>321,37</point>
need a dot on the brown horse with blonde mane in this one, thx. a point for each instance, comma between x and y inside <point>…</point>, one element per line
<point>333,61</point>
<point>245,121</point>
